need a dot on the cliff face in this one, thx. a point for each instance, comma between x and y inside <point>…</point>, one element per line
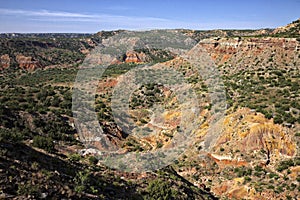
<point>242,53</point>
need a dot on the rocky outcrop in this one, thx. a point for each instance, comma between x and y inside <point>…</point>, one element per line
<point>227,161</point>
<point>135,57</point>
<point>251,133</point>
<point>4,61</point>
<point>27,62</point>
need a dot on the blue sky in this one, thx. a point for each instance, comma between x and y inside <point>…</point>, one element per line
<point>90,16</point>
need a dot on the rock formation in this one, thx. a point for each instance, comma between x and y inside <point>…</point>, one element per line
<point>135,57</point>
<point>27,62</point>
<point>247,131</point>
<point>4,61</point>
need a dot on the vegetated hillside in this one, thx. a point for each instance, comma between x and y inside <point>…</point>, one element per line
<point>34,51</point>
<point>42,52</point>
<point>261,74</point>
<point>291,30</point>
<point>256,156</point>
<point>203,34</point>
<point>40,152</point>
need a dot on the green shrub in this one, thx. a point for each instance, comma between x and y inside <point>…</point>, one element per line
<point>278,120</point>
<point>75,157</point>
<point>160,190</point>
<point>285,165</point>
<point>93,160</point>
<point>159,145</point>
<point>247,179</point>
<point>83,181</point>
<point>273,175</point>
<point>10,135</point>
<point>45,143</point>
<point>28,189</point>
